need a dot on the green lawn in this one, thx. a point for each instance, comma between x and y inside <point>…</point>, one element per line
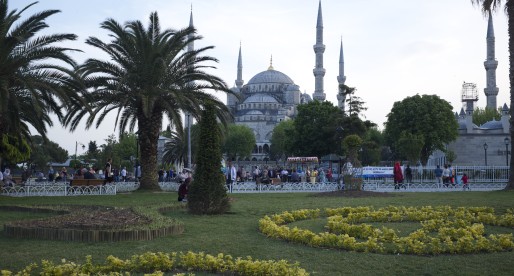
<point>237,234</point>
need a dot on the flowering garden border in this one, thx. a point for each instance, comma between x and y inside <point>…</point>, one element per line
<point>157,263</point>
<point>444,230</point>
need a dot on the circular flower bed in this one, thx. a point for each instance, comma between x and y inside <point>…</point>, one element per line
<point>95,223</point>
<point>159,263</point>
<point>443,229</point>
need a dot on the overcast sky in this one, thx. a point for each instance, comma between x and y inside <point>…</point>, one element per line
<point>392,49</point>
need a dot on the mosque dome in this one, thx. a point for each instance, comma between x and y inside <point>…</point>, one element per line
<point>492,125</point>
<point>260,98</point>
<point>271,76</point>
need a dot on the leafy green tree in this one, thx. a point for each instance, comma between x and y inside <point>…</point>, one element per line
<point>352,144</point>
<point>426,116</point>
<point>484,115</point>
<point>451,156</point>
<point>487,7</point>
<point>207,193</point>
<point>239,142</point>
<point>36,78</point>
<point>45,151</point>
<point>149,75</point>
<point>409,146</point>
<point>355,105</point>
<point>315,128</point>
<point>282,140</point>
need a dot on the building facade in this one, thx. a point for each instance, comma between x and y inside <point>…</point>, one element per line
<point>271,96</point>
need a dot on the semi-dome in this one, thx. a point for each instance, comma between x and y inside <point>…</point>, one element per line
<point>271,76</point>
<point>492,125</point>
<point>260,98</point>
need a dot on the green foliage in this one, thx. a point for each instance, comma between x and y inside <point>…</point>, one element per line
<point>484,115</point>
<point>36,77</point>
<point>282,140</point>
<point>352,144</point>
<point>409,146</point>
<point>13,149</point>
<point>45,151</point>
<point>315,128</point>
<point>207,192</point>
<point>239,142</point>
<point>148,75</point>
<point>451,156</point>
<point>175,150</point>
<point>427,116</point>
<point>370,154</point>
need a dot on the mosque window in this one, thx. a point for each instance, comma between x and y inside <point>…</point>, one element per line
<point>266,148</point>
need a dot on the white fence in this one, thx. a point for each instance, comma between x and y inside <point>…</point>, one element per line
<point>481,178</point>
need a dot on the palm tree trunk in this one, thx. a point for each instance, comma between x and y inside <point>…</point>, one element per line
<point>148,136</point>
<point>510,14</point>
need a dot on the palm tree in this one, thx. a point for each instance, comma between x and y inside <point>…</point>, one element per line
<point>149,76</point>
<point>31,86</point>
<point>176,149</point>
<point>487,7</point>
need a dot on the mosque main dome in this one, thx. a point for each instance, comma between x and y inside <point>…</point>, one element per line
<point>270,76</point>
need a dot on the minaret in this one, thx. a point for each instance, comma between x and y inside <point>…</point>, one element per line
<point>239,80</point>
<point>490,64</point>
<point>319,48</point>
<point>341,79</point>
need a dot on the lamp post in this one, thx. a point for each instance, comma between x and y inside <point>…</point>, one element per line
<point>485,152</point>
<point>76,145</point>
<point>507,141</point>
<point>189,140</point>
<point>340,130</point>
<point>136,167</point>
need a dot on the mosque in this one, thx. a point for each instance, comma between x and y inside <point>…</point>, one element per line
<point>271,96</point>
<point>488,144</point>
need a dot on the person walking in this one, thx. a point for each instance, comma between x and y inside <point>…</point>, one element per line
<point>230,174</point>
<point>398,175</point>
<point>108,176</point>
<point>408,174</point>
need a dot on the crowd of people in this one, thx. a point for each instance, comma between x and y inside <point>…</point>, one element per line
<point>267,174</point>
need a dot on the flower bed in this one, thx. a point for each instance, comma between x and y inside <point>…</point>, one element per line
<point>444,230</point>
<point>95,223</point>
<point>158,263</point>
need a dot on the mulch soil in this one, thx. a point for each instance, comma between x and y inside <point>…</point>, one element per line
<point>89,218</point>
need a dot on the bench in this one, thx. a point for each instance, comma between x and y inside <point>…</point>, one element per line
<point>276,181</point>
<point>87,182</point>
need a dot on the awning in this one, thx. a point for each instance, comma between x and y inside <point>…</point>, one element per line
<point>302,160</point>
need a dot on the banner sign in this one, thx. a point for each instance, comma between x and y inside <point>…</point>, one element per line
<point>374,172</point>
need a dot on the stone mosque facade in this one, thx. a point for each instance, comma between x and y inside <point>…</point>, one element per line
<point>488,144</point>
<point>271,96</point>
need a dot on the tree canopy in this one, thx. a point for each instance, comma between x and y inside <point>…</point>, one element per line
<point>427,116</point>
<point>316,128</point>
<point>239,141</point>
<point>36,78</point>
<point>282,140</point>
<point>484,115</point>
<point>149,74</point>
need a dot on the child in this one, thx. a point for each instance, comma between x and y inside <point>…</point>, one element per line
<point>465,182</point>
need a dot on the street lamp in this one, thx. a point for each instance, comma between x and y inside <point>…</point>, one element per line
<point>340,130</point>
<point>485,152</point>
<point>507,141</point>
<point>76,145</point>
<point>189,140</point>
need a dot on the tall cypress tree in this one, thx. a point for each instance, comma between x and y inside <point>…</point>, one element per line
<point>207,193</point>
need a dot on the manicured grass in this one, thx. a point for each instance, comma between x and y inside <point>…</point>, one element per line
<point>237,234</point>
